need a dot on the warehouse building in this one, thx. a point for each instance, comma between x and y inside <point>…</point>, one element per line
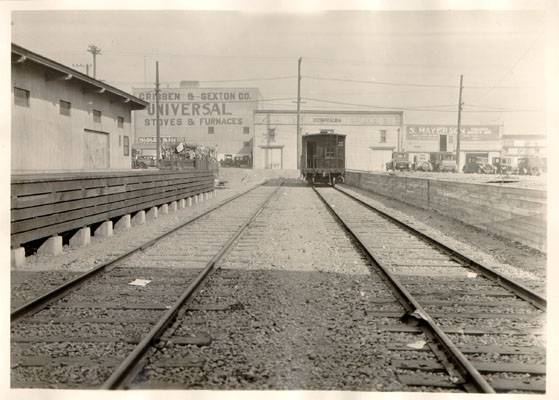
<point>475,140</point>
<point>217,117</point>
<point>519,146</point>
<point>63,120</point>
<point>371,136</point>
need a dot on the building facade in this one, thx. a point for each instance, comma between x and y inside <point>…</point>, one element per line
<point>218,117</point>
<point>519,146</point>
<point>63,120</point>
<point>475,140</point>
<point>371,136</point>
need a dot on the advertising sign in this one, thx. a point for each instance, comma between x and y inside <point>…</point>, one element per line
<point>467,132</point>
<point>196,107</point>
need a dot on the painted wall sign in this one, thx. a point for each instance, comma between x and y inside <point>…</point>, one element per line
<point>325,121</point>
<point>467,132</point>
<point>195,107</point>
<point>163,139</point>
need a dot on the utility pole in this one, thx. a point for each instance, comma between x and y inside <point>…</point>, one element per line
<point>157,148</point>
<point>298,113</point>
<point>459,123</point>
<point>94,50</point>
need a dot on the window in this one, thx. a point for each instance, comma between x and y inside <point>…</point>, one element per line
<point>65,107</point>
<point>246,144</point>
<point>383,136</point>
<point>119,140</point>
<point>211,129</point>
<point>120,122</point>
<point>96,116</point>
<point>126,146</point>
<point>21,97</point>
<point>246,129</point>
<point>272,132</point>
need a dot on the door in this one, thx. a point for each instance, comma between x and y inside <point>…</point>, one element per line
<point>442,140</point>
<point>378,159</point>
<point>96,149</point>
<point>273,158</point>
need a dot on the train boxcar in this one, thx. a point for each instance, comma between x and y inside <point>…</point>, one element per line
<point>323,157</point>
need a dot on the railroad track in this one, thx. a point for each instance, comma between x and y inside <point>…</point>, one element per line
<point>486,330</point>
<point>95,330</point>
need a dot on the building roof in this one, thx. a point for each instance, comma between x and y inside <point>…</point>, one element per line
<point>23,55</point>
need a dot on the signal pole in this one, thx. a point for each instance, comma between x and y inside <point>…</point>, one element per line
<point>298,113</point>
<point>459,123</point>
<point>157,149</point>
<point>94,50</point>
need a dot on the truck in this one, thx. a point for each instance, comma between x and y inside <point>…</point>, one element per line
<point>400,161</point>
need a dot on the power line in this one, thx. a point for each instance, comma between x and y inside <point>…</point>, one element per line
<point>421,85</point>
<point>376,106</point>
<point>378,82</point>
<point>275,78</point>
<point>522,56</point>
<point>412,108</point>
<point>489,108</point>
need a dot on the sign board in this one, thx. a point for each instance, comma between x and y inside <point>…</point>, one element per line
<point>217,117</point>
<point>163,139</point>
<point>330,120</point>
<point>467,132</point>
<point>197,107</point>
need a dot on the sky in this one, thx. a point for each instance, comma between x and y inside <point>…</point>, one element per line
<point>351,60</point>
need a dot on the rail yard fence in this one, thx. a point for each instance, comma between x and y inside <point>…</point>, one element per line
<point>513,213</point>
<point>43,205</point>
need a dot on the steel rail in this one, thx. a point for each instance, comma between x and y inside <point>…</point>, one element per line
<point>470,374</point>
<point>516,288</point>
<point>40,302</point>
<point>122,373</point>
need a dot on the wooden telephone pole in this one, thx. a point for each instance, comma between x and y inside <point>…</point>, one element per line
<point>459,126</point>
<point>157,138</point>
<point>298,113</point>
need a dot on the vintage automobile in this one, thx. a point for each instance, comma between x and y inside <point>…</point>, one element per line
<point>227,160</point>
<point>400,161</point>
<point>421,162</point>
<point>143,162</point>
<point>478,165</point>
<point>504,165</point>
<point>242,161</point>
<point>443,161</point>
<point>530,166</point>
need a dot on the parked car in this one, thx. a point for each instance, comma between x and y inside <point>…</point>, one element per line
<point>530,166</point>
<point>227,160</point>
<point>242,161</point>
<point>443,161</point>
<point>143,162</point>
<point>504,165</point>
<point>421,162</point>
<point>478,165</point>
<point>400,161</point>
